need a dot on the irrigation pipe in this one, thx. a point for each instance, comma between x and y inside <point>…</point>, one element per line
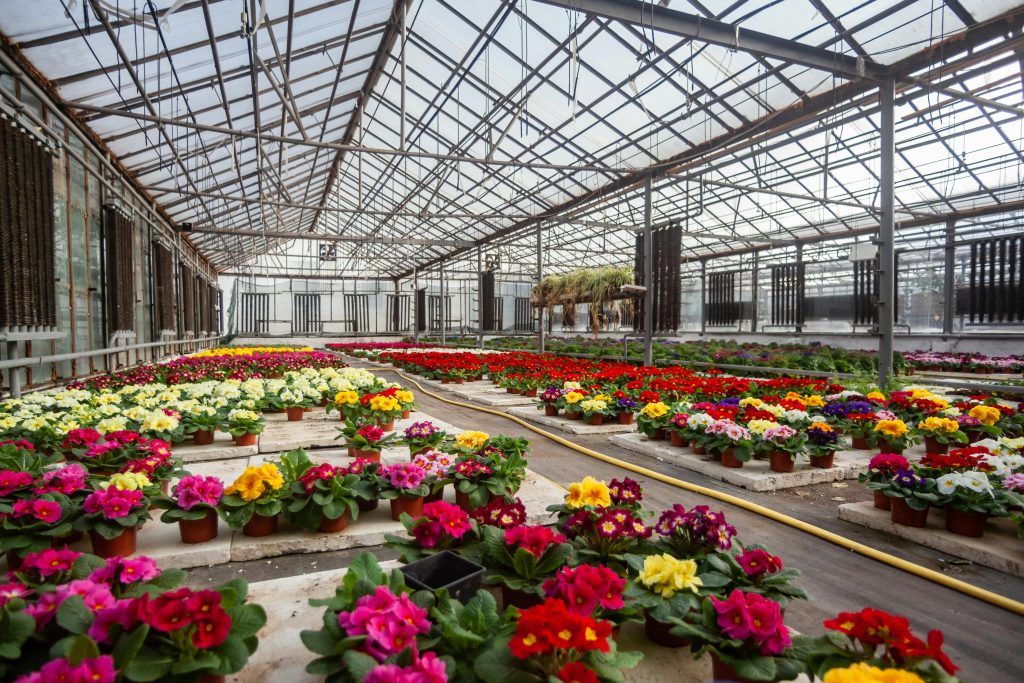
<point>1002,601</point>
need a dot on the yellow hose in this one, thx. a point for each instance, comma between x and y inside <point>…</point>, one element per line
<point>1002,601</point>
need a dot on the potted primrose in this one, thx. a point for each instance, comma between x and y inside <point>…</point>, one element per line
<point>112,517</point>
<point>193,504</point>
<point>254,501</point>
<point>244,426</point>
<point>324,497</point>
<point>202,422</point>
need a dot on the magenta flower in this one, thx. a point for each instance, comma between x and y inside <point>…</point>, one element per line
<point>9,591</point>
<point>758,562</point>
<point>65,480</point>
<point>42,510</point>
<point>198,490</point>
<point>126,570</point>
<point>113,503</point>
<point>389,622</point>
<point>427,668</point>
<point>404,475</point>
<point>97,596</point>
<point>50,561</point>
<point>125,613</point>
<point>11,481</point>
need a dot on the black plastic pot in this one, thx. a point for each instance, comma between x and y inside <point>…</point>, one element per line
<point>462,578</point>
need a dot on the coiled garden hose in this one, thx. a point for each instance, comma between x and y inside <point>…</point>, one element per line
<point>1001,601</point>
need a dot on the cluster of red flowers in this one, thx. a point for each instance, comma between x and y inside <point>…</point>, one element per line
<point>958,459</point>
<point>440,523</point>
<point>310,477</point>
<point>586,588</point>
<point>551,627</point>
<point>501,513</point>
<point>892,633</point>
<point>200,611</point>
<point>533,539</point>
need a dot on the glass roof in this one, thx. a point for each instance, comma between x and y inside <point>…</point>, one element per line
<point>521,112</point>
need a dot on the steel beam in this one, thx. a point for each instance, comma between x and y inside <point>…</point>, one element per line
<point>948,278</point>
<point>317,237</point>
<point>479,298</point>
<point>444,302</point>
<point>415,305</point>
<point>540,276</point>
<point>648,276</point>
<point>732,36</point>
<point>886,230</point>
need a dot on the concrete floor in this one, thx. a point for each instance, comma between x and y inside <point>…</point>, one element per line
<point>983,639</point>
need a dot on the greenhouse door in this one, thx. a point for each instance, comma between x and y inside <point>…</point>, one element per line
<point>255,318</point>
<point>306,314</point>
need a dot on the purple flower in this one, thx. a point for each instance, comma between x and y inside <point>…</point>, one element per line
<point>420,430</point>
<point>908,478</point>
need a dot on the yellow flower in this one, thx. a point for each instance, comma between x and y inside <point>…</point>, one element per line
<point>666,575</point>
<point>939,424</point>
<point>383,404</point>
<point>751,401</point>
<point>404,396</point>
<point>271,475</point>
<point>472,440</point>
<point>344,398</point>
<point>158,421</point>
<point>864,673</point>
<point>988,415</point>
<point>893,429</point>
<point>759,427</point>
<point>655,410</point>
<point>573,397</point>
<point>126,481</point>
<point>875,396</point>
<point>603,397</point>
<point>589,492</point>
<point>813,400</point>
<point>254,481</point>
<point>820,426</point>
<point>593,405</point>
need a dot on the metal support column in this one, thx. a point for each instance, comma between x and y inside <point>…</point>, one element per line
<point>949,278</point>
<point>703,295</point>
<point>401,125</point>
<point>753,292</point>
<point>648,276</point>
<point>444,302</point>
<point>479,298</point>
<point>798,298</point>
<point>540,276</point>
<point>415,305</point>
<point>886,233</point>
<point>14,374</point>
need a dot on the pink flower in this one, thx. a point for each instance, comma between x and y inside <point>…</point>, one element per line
<point>371,432</point>
<point>390,623</point>
<point>198,490</point>
<point>423,669</point>
<point>440,521</point>
<point>12,480</point>
<point>9,591</point>
<point>42,510</point>
<point>126,570</point>
<point>50,561</point>
<point>65,480</point>
<point>749,616</point>
<point>585,588</point>
<point>404,475</point>
<point>758,562</point>
<point>733,618</point>
<point>43,609</point>
<point>113,503</point>
<point>125,613</point>
<point>96,596</point>
<point>533,539</point>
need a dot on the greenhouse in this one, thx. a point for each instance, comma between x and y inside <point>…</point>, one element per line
<point>500,341</point>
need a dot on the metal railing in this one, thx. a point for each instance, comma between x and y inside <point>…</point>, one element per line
<point>14,365</point>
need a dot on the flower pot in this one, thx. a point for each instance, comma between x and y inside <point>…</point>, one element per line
<point>729,459</point>
<point>860,443</point>
<point>903,514</point>
<point>323,402</point>
<point>931,445</point>
<point>366,454</point>
<point>121,545</point>
<point>722,672</point>
<point>823,461</point>
<point>367,505</point>
<point>406,414</point>
<point>434,497</point>
<point>460,380</point>
<point>530,393</point>
<point>658,633</point>
<point>697,448</point>
<point>882,501</point>
<point>63,541</point>
<point>550,410</point>
<point>462,578</point>
<point>625,418</point>
<point>198,530</point>
<point>210,678</point>
<point>295,413</point>
<point>462,500</point>
<point>418,451</point>
<point>333,526</point>
<point>596,420</point>
<point>245,440</point>
<point>410,504</point>
<point>780,461</point>
<point>518,599</point>
<point>657,435</point>
<point>509,390</point>
<point>259,525</point>
<point>446,381</point>
<point>202,437</point>
<point>963,523</point>
<point>572,415</point>
<point>677,440</point>
<point>388,426</point>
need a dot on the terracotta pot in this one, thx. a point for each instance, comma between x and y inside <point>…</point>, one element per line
<point>625,418</point>
<point>198,530</point>
<point>658,434</point>
<point>530,393</point>
<point>931,445</point>
<point>406,414</point>
<point>460,380</point>
<point>658,633</point>
<point>964,523</point>
<point>729,459</point>
<point>780,461</point>
<point>446,381</point>
<point>210,678</point>
<point>323,402</point>
<point>551,410</point>
<point>418,451</point>
<point>722,672</point>
<point>572,415</point>
<point>245,440</point>
<point>333,526</point>
<point>62,541</point>
<point>388,426</point>
<point>903,514</point>
<point>519,599</point>
<point>165,486</point>
<point>414,506</point>
<point>367,505</point>
<point>462,500</point>
<point>823,461</point>
<point>14,560</point>
<point>122,545</point>
<point>677,440</point>
<point>202,437</point>
<point>366,454</point>
<point>260,525</point>
<point>860,443</point>
<point>509,390</point>
<point>698,449</point>
<point>882,501</point>
<point>434,497</point>
<point>295,413</point>
<point>596,420</point>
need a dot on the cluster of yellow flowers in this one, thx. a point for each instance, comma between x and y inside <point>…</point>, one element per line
<point>875,396</point>
<point>666,575</point>
<point>588,493</point>
<point>894,429</point>
<point>592,405</point>
<point>573,397</point>
<point>383,404</point>
<point>344,398</point>
<point>126,481</point>
<point>255,481</point>
<point>820,426</point>
<point>472,440</point>
<point>864,673</point>
<point>987,415</point>
<point>939,424</point>
<point>405,396</point>
<point>655,410</point>
<point>158,421</point>
<point>246,350</point>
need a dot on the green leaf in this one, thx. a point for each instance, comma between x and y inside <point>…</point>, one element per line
<point>359,665</point>
<point>73,616</point>
<point>756,668</point>
<point>247,620</point>
<point>319,642</point>
<point>233,653</point>
<point>497,665</point>
<point>149,665</point>
<point>128,645</point>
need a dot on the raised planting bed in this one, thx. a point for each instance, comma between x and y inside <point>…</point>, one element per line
<point>755,475</point>
<point>570,426</point>
<point>318,430</point>
<point>999,548</point>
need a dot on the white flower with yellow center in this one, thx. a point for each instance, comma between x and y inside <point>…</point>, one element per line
<point>111,424</point>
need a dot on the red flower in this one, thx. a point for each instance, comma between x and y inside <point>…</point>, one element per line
<point>170,611</point>
<point>212,629</point>
<point>576,672</point>
<point>758,562</point>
